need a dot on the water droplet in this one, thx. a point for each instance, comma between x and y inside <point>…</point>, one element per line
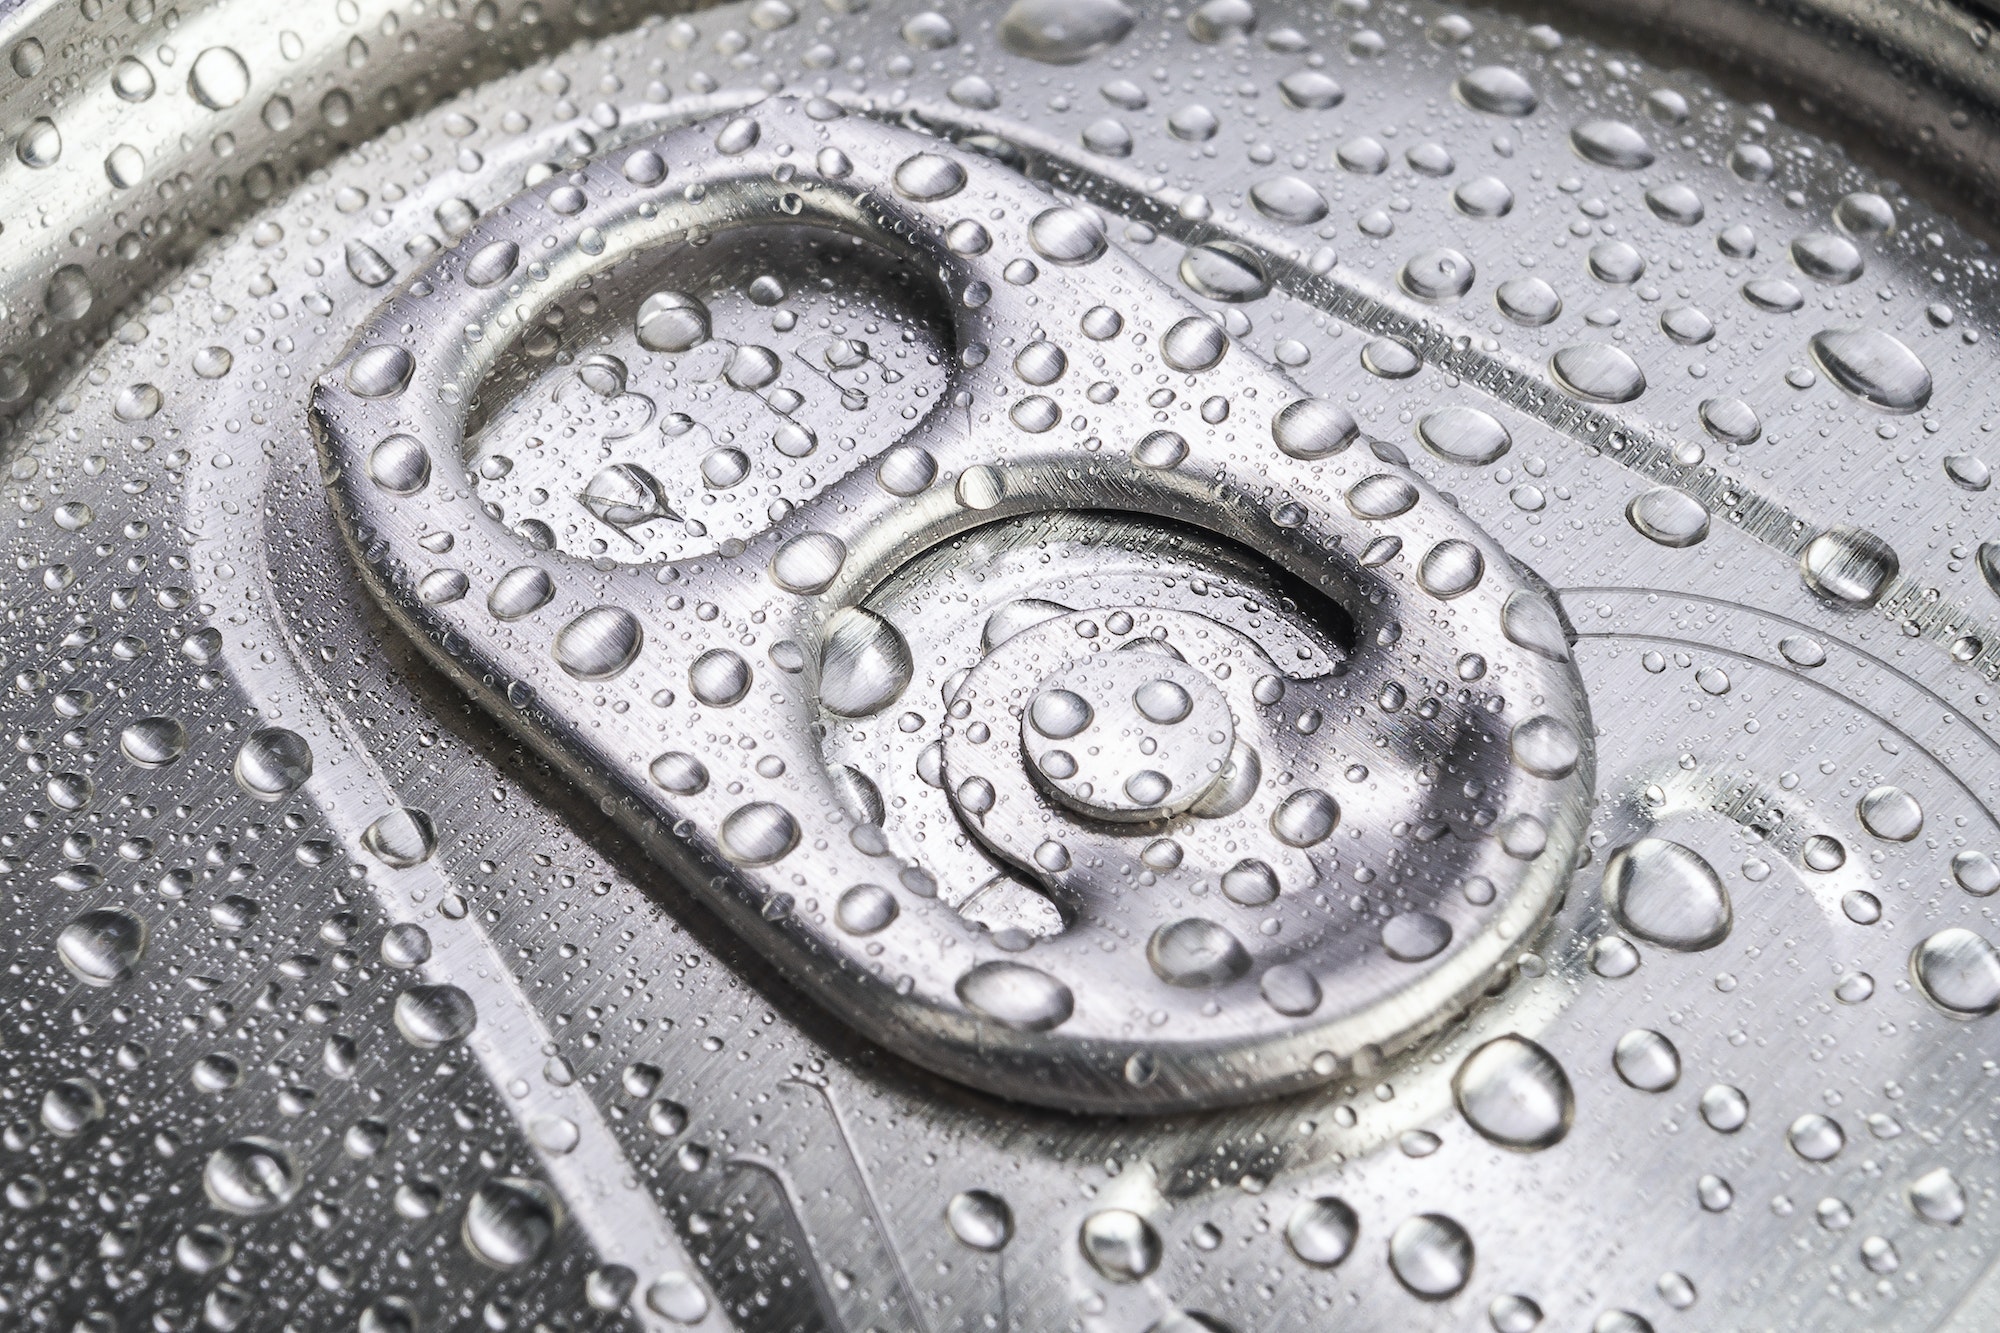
<point>1547,746</point>
<point>1865,213</point>
<point>1725,1109</point>
<point>1892,813</point>
<point>1528,301</point>
<point>493,264</point>
<point>1667,894</point>
<point>1874,367</point>
<point>1827,257</point>
<point>865,909</point>
<point>1121,1245</point>
<point>1193,345</point>
<point>1223,271</point>
<point>671,322</point>
<point>677,1296</point>
<point>1064,32</point>
<point>1730,421</point>
<point>1413,937</point>
<point>1598,373</point>
<point>1289,200</point>
<point>1668,516</point>
<point>1310,90</point>
<point>509,1222</point>
<point>928,176</point>
<point>1976,872</point>
<point>1646,1060</point>
<point>1848,565</point>
<point>250,1176</point>
<point>759,833</point>
<point>599,644</point>
<point>380,372</point>
<point>519,592</point>
<point>1305,818</point>
<point>1438,275</point>
<point>1451,568</point>
<point>1612,143</point>
<point>1216,21</point>
<point>1937,1197</point>
<point>808,563</point>
<point>273,763</point>
<point>1513,1314</point>
<point>1380,496</point>
<point>401,839</point>
<point>430,1016</point>
<point>1496,90</point>
<point>1312,428</point>
<point>1515,1093</point>
<point>400,465</point>
<point>101,947</point>
<point>1464,435</point>
<point>980,1220</point>
<point>1491,197</point>
<point>1959,972</point>
<point>153,742</point>
<point>1196,953</point>
<point>1675,203</point>
<point>1016,995</point>
<point>1816,1137</point>
<point>1322,1231</point>
<point>1431,1255</point>
<point>218,78</point>
<point>865,664</point>
<point>1286,987</point>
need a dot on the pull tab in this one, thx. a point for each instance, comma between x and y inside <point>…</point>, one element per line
<point>1121,739</point>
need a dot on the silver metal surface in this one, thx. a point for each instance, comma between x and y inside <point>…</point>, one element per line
<point>334,1004</point>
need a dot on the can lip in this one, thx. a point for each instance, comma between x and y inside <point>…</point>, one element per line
<point>1047,1026</point>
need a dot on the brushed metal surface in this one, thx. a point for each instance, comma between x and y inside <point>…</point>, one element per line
<point>243,1092</point>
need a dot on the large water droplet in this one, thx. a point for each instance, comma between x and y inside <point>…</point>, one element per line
<point>1064,32</point>
<point>429,1016</point>
<point>1612,143</point>
<point>1120,1244</point>
<point>1874,367</point>
<point>928,176</point>
<point>980,1220</point>
<point>1959,972</point>
<point>218,78</point>
<point>402,838</point>
<point>671,322</point>
<point>1937,1197</point>
<point>1066,236</point>
<point>1289,200</point>
<point>865,663</point>
<point>102,946</point>
<point>599,644</point>
<point>1546,746</point>
<point>1668,516</point>
<point>1451,568</point>
<point>1497,90</point>
<point>1598,372</point>
<point>250,1176</point>
<point>1646,1060</point>
<point>382,371</point>
<point>1431,1255</point>
<point>759,833</point>
<point>1322,1231</point>
<point>1196,953</point>
<point>1438,275</point>
<point>1816,1138</point>
<point>400,465</point>
<point>1312,428</point>
<point>519,592</point>
<point>492,263</point>
<point>1848,565</point>
<point>1464,435</point>
<point>1891,813</point>
<point>1515,1093</point>
<point>153,742</point>
<point>1827,257</point>
<point>273,763</point>
<point>510,1222</point>
<point>1305,818</point>
<point>1224,271</point>
<point>1668,894</point>
<point>1193,344</point>
<point>1016,995</point>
